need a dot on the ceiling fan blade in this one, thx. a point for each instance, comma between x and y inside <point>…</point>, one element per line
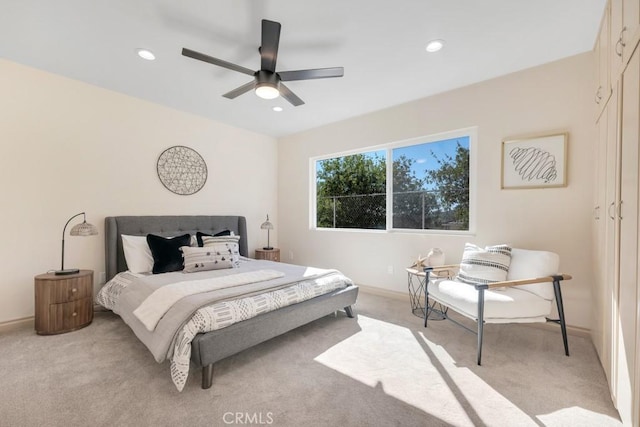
<point>215,61</point>
<point>269,48</point>
<point>286,93</point>
<point>317,73</point>
<point>240,90</point>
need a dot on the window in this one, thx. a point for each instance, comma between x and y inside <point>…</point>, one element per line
<point>351,191</point>
<point>427,181</point>
<point>431,185</point>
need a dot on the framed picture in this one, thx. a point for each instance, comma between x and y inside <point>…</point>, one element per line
<point>535,162</point>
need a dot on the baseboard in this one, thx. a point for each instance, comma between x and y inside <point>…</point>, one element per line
<point>16,324</point>
<point>571,330</point>
<point>575,331</point>
<point>384,292</point>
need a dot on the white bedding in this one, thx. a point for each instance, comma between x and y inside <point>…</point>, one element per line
<point>225,313</point>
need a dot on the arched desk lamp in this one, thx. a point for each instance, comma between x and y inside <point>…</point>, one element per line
<point>267,225</point>
<point>82,229</point>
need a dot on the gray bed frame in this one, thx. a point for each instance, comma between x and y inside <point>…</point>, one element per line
<point>211,347</point>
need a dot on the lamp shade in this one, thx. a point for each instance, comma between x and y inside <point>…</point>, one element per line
<point>83,229</point>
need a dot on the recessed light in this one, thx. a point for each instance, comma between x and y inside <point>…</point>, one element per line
<point>145,54</point>
<point>277,109</point>
<point>435,45</point>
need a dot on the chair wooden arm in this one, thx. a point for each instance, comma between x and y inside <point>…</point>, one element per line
<point>509,283</point>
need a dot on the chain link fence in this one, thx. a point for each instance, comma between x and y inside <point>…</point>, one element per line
<point>367,211</point>
<point>416,210</point>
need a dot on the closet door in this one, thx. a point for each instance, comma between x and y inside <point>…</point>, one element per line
<point>629,237</point>
<point>598,231</point>
<point>599,253</point>
<point>611,230</point>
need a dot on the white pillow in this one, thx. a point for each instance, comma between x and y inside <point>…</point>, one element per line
<point>137,253</point>
<point>480,266</point>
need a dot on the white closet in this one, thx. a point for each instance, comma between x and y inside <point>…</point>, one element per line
<point>616,224</point>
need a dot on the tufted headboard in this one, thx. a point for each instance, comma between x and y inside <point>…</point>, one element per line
<point>166,226</point>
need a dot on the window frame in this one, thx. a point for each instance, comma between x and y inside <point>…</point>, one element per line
<point>470,132</point>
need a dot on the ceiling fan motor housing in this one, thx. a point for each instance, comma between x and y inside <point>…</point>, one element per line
<point>267,78</point>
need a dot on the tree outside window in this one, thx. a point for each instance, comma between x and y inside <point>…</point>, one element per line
<point>429,188</point>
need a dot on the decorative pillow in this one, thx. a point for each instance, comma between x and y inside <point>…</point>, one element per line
<point>480,266</point>
<point>166,252</point>
<point>200,235</point>
<point>227,245</point>
<point>206,258</point>
<point>137,253</point>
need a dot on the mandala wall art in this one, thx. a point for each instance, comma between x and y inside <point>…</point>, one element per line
<point>182,170</point>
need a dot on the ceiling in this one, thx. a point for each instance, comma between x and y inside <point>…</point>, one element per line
<point>380,44</point>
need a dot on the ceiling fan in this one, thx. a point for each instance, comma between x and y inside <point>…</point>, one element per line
<point>267,82</point>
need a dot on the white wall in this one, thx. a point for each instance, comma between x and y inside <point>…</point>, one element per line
<point>68,147</point>
<point>552,97</point>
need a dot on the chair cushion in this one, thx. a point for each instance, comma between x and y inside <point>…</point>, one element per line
<point>506,306</point>
<point>488,265</point>
<point>527,264</point>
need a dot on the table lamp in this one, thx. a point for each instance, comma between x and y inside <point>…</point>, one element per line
<point>267,225</point>
<point>82,229</point>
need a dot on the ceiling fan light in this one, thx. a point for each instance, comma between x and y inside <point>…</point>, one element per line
<point>267,91</point>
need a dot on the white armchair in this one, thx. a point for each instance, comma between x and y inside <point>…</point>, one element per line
<point>526,296</point>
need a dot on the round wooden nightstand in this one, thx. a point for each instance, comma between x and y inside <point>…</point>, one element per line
<point>63,303</point>
<point>268,254</point>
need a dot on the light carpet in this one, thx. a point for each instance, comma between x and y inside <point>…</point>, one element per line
<point>380,369</point>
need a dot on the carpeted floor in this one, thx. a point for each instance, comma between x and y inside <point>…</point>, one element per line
<point>380,369</point>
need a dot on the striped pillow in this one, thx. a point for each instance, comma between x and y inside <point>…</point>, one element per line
<point>217,253</point>
<point>481,266</point>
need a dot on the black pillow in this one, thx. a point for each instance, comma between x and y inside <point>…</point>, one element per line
<point>199,236</point>
<point>166,252</point>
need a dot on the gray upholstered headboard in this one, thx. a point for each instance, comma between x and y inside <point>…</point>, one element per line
<point>166,226</point>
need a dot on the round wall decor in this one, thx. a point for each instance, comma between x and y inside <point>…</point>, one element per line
<point>182,170</point>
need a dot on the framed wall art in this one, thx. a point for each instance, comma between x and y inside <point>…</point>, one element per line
<point>182,170</point>
<point>535,162</point>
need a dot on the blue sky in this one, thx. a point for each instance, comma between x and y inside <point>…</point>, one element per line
<point>421,154</point>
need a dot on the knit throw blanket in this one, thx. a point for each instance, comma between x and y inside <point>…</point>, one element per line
<point>161,300</point>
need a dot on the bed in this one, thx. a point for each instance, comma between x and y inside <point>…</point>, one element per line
<point>213,346</point>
